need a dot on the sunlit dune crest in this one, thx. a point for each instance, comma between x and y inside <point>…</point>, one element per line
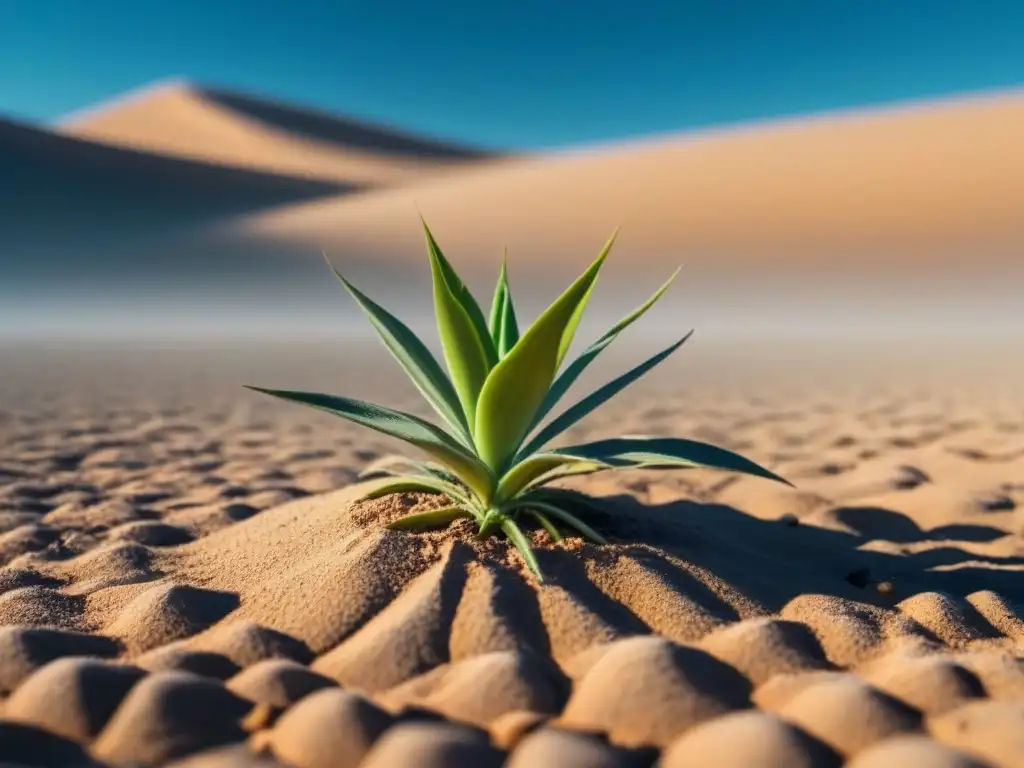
<point>54,184</point>
<point>915,183</point>
<point>216,126</point>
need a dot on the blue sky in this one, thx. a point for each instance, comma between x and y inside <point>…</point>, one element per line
<point>527,74</point>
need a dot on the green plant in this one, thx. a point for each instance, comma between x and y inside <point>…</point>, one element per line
<point>491,463</point>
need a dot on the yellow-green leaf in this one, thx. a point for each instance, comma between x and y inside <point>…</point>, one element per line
<point>413,430</point>
<point>413,484</point>
<point>516,386</point>
<point>529,469</point>
<point>415,359</point>
<point>503,326</point>
<point>468,348</point>
<point>546,524</point>
<point>498,303</point>
<point>568,377</point>
<point>519,540</point>
<point>596,399</point>
<point>434,518</point>
<point>570,331</point>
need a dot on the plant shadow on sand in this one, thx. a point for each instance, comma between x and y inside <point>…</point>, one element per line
<point>694,613</point>
<point>774,561</point>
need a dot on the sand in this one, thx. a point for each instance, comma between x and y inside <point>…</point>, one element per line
<point>116,213</point>
<point>210,125</point>
<point>186,580</point>
<point>902,186</point>
<point>90,188</point>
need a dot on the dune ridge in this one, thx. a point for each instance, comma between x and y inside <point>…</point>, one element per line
<point>905,186</point>
<point>211,125</point>
<point>58,187</point>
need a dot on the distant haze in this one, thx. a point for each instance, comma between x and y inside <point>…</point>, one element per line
<point>193,210</point>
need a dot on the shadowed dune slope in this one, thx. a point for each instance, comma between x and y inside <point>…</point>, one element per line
<point>56,188</point>
<point>904,186</point>
<point>217,126</point>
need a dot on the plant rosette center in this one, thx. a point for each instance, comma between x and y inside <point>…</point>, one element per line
<point>489,457</point>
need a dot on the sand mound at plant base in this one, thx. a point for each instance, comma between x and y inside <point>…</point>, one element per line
<point>313,635</point>
<point>871,618</point>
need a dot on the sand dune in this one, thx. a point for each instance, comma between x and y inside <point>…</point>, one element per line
<point>909,186</point>
<point>54,187</point>
<point>185,577</point>
<point>217,126</point>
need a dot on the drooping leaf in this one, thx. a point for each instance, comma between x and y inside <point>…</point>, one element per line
<point>596,399</point>
<point>546,524</point>
<point>413,430</point>
<point>468,347</point>
<point>434,518</point>
<point>517,385</point>
<point>519,540</point>
<point>413,484</point>
<point>568,377</point>
<point>569,519</point>
<point>666,452</point>
<point>415,359</point>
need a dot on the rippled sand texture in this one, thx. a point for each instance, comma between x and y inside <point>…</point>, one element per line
<point>185,580</point>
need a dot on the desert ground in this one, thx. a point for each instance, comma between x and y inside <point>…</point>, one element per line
<point>186,581</point>
<point>187,577</point>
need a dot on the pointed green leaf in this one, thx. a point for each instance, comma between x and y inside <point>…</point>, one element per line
<point>546,524</point>
<point>415,359</point>
<point>666,452</point>
<point>404,426</point>
<point>504,327</point>
<point>567,337</point>
<point>527,471</point>
<point>521,543</point>
<point>596,399</point>
<point>413,484</point>
<point>517,385</point>
<point>568,377</point>
<point>569,469</point>
<point>569,519</point>
<point>458,288</point>
<point>402,465</point>
<point>434,518</point>
<point>509,327</point>
<point>498,304</point>
<point>570,329</point>
<point>468,348</point>
<point>570,498</point>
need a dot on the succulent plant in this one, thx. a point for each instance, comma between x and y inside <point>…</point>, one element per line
<point>490,460</point>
